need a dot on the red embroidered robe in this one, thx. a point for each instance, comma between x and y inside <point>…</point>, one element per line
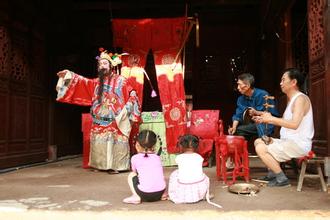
<point>111,117</point>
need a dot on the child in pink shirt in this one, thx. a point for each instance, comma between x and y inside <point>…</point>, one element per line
<point>146,181</point>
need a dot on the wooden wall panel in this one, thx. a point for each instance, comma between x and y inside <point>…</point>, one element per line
<point>4,48</point>
<point>3,121</point>
<point>18,118</point>
<point>318,98</point>
<point>3,147</point>
<point>3,116</point>
<point>4,58</point>
<point>39,146</point>
<point>17,147</point>
<point>317,34</point>
<point>23,95</point>
<point>37,119</point>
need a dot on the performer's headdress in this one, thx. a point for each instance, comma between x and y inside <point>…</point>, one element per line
<point>114,59</point>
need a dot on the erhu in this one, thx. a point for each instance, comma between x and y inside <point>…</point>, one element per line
<point>265,137</point>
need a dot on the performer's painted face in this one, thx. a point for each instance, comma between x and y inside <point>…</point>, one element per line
<point>243,87</point>
<point>104,65</point>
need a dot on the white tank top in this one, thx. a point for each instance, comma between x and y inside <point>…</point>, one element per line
<point>304,133</point>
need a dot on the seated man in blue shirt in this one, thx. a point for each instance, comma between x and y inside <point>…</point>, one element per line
<point>250,102</point>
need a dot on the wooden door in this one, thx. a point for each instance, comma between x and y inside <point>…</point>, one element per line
<point>23,97</point>
<point>319,72</point>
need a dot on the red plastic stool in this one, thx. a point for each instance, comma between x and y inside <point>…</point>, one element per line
<point>234,147</point>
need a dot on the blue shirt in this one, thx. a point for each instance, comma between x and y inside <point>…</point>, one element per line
<point>256,101</point>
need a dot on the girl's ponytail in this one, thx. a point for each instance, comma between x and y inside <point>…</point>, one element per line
<point>160,146</point>
<point>145,152</point>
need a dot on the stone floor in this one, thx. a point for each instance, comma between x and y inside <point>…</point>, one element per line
<point>63,188</point>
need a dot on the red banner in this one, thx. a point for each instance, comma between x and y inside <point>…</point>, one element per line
<point>145,34</point>
<point>164,37</point>
<point>172,96</point>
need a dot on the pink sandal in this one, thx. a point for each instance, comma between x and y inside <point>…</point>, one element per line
<point>132,200</point>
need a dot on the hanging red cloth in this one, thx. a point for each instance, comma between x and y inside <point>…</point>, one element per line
<point>145,34</point>
<point>134,36</point>
<point>167,37</point>
<point>164,37</point>
<point>172,96</point>
<point>132,33</point>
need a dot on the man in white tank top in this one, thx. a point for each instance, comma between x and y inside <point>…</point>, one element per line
<point>297,129</point>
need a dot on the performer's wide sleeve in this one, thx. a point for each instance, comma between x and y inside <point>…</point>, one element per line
<point>76,90</point>
<point>130,111</point>
<point>132,105</point>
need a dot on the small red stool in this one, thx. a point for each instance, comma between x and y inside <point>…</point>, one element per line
<point>234,147</point>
